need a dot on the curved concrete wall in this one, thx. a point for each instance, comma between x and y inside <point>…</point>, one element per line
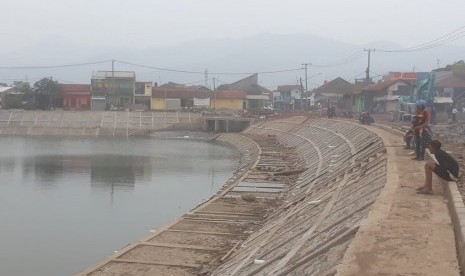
<point>310,232</point>
<point>94,123</point>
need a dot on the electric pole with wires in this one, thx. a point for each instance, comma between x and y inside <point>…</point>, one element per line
<point>367,79</point>
<point>305,67</point>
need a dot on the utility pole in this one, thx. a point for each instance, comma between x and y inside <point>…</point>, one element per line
<point>206,77</point>
<point>367,79</point>
<point>112,83</point>
<point>301,93</point>
<point>305,67</point>
<point>214,90</point>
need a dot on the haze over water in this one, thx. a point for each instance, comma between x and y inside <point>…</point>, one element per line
<point>67,203</point>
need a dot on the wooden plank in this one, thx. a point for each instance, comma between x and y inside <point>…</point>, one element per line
<point>256,189</point>
<point>261,184</point>
<point>153,263</point>
<point>230,251</point>
<point>217,220</point>
<point>180,246</point>
<point>203,232</point>
<point>225,213</point>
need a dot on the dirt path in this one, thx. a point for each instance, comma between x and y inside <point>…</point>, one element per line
<point>406,233</point>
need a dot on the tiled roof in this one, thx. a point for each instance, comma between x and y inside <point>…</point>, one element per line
<point>231,94</point>
<point>75,88</point>
<point>184,93</point>
<point>5,88</point>
<point>454,81</point>
<point>288,88</point>
<point>382,85</point>
<point>337,85</point>
<point>402,76</point>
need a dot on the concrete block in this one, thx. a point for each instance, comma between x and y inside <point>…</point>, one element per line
<point>461,218</point>
<point>460,210</point>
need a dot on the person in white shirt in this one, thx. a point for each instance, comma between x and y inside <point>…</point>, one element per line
<point>454,114</point>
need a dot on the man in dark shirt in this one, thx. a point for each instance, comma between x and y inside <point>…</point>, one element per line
<point>447,168</point>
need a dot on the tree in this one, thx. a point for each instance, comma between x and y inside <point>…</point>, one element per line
<point>17,96</point>
<point>457,67</point>
<point>24,87</point>
<point>46,92</point>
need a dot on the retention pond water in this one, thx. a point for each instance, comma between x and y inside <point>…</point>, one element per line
<point>67,203</point>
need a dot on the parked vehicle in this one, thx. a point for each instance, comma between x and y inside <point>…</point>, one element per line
<point>366,119</point>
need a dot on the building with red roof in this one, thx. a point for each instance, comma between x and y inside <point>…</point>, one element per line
<point>174,98</point>
<point>76,96</point>
<point>384,96</point>
<point>410,76</point>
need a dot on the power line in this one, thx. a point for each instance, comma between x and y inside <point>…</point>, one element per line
<point>342,61</point>
<point>440,41</point>
<point>203,72</point>
<point>194,82</point>
<point>53,66</point>
<point>144,66</point>
<point>439,38</point>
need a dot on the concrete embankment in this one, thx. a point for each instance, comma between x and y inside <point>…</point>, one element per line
<point>94,123</point>
<point>311,197</point>
<point>293,208</point>
<point>321,212</point>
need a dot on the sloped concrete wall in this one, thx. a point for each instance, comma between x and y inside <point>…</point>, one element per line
<point>309,234</point>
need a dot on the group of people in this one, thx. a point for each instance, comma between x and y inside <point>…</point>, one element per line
<point>419,137</point>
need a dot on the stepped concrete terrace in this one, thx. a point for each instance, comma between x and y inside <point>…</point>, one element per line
<point>311,197</point>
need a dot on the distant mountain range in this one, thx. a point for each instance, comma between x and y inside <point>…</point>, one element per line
<point>259,53</point>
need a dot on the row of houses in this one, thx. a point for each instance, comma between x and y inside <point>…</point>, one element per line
<point>392,94</point>
<point>113,90</point>
<point>120,90</point>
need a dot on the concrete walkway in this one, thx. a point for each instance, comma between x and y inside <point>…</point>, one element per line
<point>405,233</point>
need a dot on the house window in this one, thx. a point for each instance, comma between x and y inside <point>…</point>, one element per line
<point>140,89</point>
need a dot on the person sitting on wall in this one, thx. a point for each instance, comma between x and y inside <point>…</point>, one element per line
<point>447,168</point>
<point>409,139</point>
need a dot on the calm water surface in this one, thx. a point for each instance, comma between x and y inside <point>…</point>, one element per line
<point>67,203</point>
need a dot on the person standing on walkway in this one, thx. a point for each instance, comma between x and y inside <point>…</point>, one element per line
<point>422,131</point>
<point>454,114</point>
<point>446,168</point>
<point>433,115</point>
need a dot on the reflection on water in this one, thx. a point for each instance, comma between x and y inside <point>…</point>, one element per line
<point>79,200</point>
<point>119,171</point>
<point>110,169</point>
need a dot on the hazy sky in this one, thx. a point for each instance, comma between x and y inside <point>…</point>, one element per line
<point>149,23</point>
